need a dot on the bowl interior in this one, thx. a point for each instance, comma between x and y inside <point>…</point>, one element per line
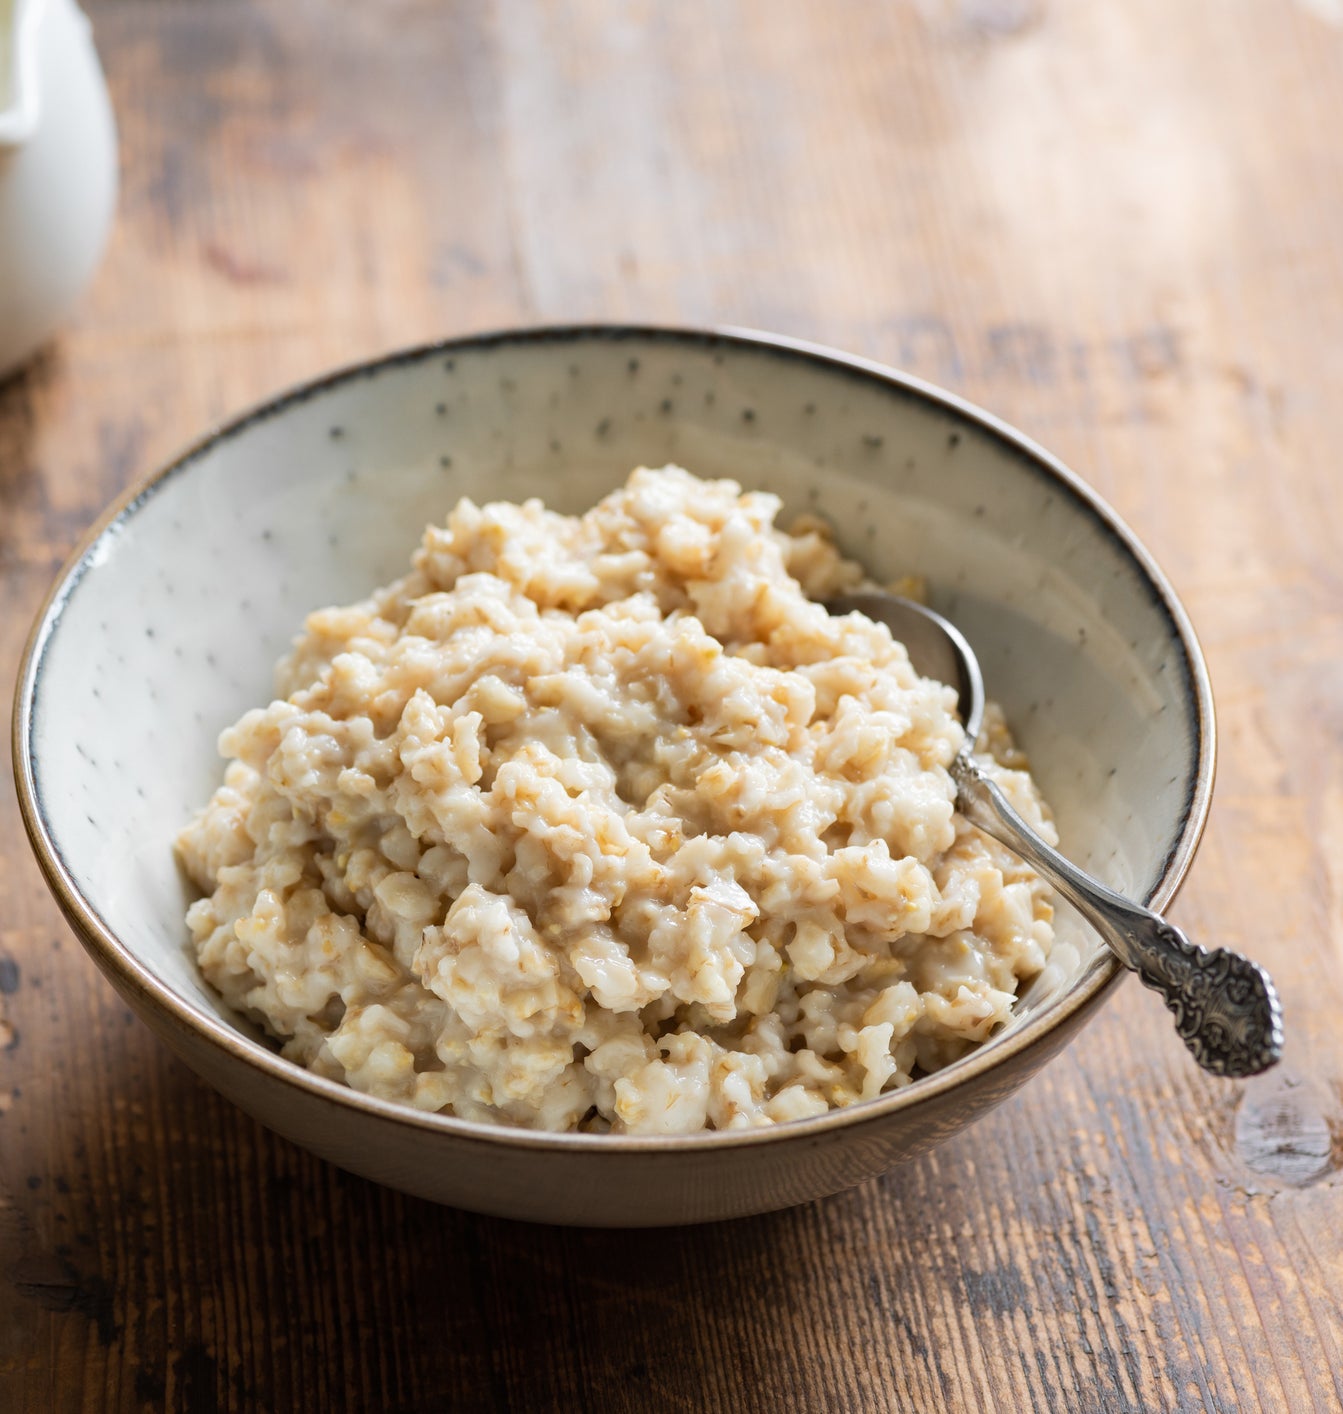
<point>171,622</point>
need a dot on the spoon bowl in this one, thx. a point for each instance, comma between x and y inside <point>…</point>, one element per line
<point>936,647</point>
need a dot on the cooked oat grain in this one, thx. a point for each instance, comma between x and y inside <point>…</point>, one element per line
<point>604,822</point>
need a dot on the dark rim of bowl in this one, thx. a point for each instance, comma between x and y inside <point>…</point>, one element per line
<point>1087,992</point>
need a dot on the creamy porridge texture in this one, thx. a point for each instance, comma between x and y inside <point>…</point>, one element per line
<point>603,822</point>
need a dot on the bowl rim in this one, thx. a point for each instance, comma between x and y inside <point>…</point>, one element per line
<point>138,981</point>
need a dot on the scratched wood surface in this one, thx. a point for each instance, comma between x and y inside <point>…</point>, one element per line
<point>1117,225</point>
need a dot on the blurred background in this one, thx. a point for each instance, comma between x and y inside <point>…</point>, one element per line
<point>1117,226</point>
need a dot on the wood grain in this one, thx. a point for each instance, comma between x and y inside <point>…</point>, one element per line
<point>1117,226</point>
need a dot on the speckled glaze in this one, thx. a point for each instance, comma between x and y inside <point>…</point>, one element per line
<point>166,623</point>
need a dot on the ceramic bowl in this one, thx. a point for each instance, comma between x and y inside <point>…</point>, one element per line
<point>164,627</point>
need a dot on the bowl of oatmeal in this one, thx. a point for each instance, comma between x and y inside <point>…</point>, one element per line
<point>575,863</point>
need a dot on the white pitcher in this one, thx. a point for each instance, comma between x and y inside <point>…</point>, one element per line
<point>58,169</point>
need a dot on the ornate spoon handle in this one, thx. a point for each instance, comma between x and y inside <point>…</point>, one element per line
<point>1226,1008</point>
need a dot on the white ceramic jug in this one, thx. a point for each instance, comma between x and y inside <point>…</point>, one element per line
<point>58,169</point>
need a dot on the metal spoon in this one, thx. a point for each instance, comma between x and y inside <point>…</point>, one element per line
<point>1226,1008</point>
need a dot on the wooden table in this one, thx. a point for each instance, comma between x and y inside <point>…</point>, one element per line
<point>1120,227</point>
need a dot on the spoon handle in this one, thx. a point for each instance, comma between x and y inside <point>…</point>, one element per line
<point>1226,1007</point>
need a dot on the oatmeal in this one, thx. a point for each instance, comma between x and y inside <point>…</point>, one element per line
<point>603,822</point>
